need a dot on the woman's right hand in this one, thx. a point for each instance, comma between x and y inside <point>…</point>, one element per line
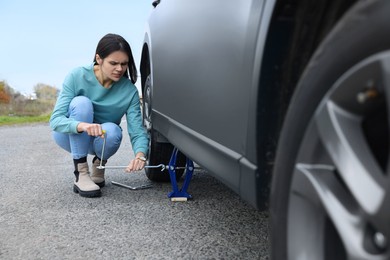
<point>91,129</point>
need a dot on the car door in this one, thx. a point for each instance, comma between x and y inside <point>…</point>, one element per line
<point>202,66</point>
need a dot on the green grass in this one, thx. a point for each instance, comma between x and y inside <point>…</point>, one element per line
<point>13,120</point>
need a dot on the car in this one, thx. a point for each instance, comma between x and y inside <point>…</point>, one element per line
<point>286,103</point>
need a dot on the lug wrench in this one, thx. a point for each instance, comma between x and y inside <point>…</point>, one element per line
<point>145,186</point>
<point>163,167</point>
<point>104,145</point>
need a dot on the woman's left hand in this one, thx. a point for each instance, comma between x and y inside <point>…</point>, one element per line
<point>136,164</point>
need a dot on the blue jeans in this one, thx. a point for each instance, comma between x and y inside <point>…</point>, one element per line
<point>80,145</point>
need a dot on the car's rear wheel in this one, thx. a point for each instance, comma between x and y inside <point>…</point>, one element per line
<point>330,191</point>
<point>159,152</point>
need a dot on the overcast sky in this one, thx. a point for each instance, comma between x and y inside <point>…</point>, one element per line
<point>42,40</point>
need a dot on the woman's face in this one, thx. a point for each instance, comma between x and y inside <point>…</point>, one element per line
<point>114,65</point>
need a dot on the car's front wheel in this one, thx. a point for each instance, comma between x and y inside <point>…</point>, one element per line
<point>330,192</point>
<point>159,152</point>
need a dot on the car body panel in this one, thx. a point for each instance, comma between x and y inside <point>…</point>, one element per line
<point>211,115</point>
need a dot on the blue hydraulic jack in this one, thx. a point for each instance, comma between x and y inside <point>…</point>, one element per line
<point>182,194</point>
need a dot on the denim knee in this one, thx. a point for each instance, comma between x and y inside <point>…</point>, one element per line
<point>114,132</point>
<point>81,109</point>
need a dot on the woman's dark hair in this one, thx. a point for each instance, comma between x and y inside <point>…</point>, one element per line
<point>114,42</point>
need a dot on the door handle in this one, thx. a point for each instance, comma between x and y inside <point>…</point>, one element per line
<point>156,3</point>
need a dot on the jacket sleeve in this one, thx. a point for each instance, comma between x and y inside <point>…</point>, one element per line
<point>59,120</point>
<point>138,135</point>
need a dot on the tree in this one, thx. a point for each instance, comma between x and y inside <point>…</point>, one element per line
<point>5,96</point>
<point>45,92</point>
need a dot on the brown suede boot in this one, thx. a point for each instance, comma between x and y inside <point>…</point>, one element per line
<point>83,184</point>
<point>97,175</point>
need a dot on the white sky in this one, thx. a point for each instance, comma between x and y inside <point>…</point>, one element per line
<point>42,40</point>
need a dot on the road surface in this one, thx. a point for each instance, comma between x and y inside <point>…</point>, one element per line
<point>41,217</point>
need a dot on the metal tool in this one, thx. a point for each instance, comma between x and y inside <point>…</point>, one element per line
<point>177,194</point>
<point>104,145</point>
<point>163,167</point>
<point>101,166</point>
<point>144,186</point>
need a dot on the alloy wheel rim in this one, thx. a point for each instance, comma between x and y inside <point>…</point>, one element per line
<point>339,193</point>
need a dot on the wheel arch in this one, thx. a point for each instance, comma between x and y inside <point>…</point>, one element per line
<point>145,68</point>
<point>296,30</point>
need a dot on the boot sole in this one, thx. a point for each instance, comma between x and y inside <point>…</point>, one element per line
<point>101,184</point>
<point>87,194</point>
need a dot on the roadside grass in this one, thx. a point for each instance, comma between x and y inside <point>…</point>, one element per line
<point>25,111</point>
<point>13,120</point>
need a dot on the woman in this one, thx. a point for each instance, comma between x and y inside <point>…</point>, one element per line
<point>95,98</point>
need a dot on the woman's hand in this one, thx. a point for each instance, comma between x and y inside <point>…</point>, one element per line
<point>137,164</point>
<point>91,129</point>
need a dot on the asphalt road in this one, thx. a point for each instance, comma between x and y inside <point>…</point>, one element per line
<point>41,217</point>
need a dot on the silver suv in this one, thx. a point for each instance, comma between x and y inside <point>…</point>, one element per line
<point>285,102</point>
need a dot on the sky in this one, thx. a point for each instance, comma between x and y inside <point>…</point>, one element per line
<point>42,40</point>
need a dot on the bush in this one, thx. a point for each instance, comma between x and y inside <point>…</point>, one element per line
<point>27,108</point>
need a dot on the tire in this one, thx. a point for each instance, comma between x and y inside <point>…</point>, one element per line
<point>330,189</point>
<point>159,152</point>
